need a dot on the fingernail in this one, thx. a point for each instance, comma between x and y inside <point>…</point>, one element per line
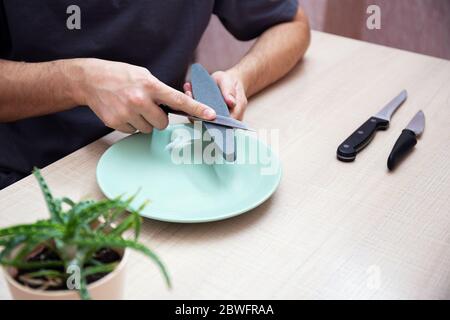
<point>232,99</point>
<point>209,113</point>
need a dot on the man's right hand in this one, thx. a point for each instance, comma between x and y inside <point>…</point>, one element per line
<point>126,97</point>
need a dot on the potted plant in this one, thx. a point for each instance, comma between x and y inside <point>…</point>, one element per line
<point>79,252</point>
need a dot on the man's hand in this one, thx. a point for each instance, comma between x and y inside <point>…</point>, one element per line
<point>124,96</point>
<point>271,57</point>
<point>127,97</point>
<point>232,90</point>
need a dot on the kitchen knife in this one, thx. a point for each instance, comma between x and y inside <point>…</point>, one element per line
<point>220,120</point>
<point>363,135</point>
<point>407,140</point>
<point>206,91</point>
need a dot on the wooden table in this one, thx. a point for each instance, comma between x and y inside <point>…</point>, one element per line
<point>333,229</point>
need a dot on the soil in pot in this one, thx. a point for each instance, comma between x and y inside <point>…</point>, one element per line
<point>104,256</point>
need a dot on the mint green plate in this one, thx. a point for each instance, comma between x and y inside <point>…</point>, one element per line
<point>188,192</point>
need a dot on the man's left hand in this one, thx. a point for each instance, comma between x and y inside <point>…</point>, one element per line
<point>232,90</point>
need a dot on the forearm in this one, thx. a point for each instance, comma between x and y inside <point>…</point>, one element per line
<point>124,96</point>
<point>34,89</point>
<point>274,54</point>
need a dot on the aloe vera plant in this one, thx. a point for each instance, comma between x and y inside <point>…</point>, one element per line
<point>74,233</point>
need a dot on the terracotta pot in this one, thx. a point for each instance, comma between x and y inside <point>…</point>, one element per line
<point>110,287</point>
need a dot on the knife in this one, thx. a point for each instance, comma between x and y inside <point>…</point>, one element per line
<point>206,91</point>
<point>220,120</point>
<point>407,140</point>
<point>363,135</point>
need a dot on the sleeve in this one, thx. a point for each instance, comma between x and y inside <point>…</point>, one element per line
<point>4,33</point>
<point>247,19</point>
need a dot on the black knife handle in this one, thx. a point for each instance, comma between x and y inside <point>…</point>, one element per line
<point>165,108</point>
<point>360,139</point>
<point>168,110</point>
<point>402,147</point>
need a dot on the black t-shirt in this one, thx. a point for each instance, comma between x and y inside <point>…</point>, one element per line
<point>159,35</point>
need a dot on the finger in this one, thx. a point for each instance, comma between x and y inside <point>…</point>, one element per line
<point>154,115</point>
<point>179,101</point>
<point>141,124</point>
<point>237,113</point>
<point>228,88</point>
<point>241,105</point>
<point>187,87</point>
<point>230,101</point>
<point>126,128</point>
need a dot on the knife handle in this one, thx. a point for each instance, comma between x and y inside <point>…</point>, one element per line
<point>360,139</point>
<point>404,144</point>
<point>165,108</point>
<point>168,110</point>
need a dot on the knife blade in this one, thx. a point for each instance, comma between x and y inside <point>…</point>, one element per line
<point>206,91</point>
<point>407,140</point>
<point>220,120</point>
<point>359,139</point>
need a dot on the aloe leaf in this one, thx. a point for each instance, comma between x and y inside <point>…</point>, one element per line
<point>57,203</point>
<point>40,226</point>
<point>138,219</point>
<point>92,212</point>
<point>84,293</point>
<point>31,264</point>
<point>81,215</point>
<point>32,243</point>
<point>68,201</point>
<point>102,268</point>
<point>11,245</point>
<point>125,205</point>
<point>46,273</point>
<point>80,206</point>
<point>126,224</point>
<point>137,225</point>
<point>51,204</point>
<point>134,220</point>
<point>94,262</point>
<point>114,214</point>
<point>5,240</point>
<point>117,242</point>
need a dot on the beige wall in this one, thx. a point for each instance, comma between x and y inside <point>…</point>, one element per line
<point>417,25</point>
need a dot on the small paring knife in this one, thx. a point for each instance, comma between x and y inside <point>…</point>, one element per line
<point>359,139</point>
<point>407,140</point>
